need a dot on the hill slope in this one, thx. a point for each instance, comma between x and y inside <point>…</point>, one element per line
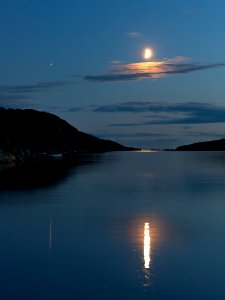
<point>28,132</point>
<point>215,145</point>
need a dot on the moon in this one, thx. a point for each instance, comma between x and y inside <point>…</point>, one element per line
<point>148,53</point>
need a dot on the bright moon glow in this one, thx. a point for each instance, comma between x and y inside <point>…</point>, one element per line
<point>148,53</point>
<point>147,246</point>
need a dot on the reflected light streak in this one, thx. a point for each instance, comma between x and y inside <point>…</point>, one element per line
<point>50,235</point>
<point>147,246</point>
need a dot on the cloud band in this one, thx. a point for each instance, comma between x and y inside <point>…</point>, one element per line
<point>154,69</point>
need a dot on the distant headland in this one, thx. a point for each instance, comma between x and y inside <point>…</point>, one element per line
<point>215,145</point>
<point>27,134</point>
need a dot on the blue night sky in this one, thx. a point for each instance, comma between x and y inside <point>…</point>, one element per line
<point>83,61</point>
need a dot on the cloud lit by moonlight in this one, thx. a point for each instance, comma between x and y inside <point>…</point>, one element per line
<point>151,69</point>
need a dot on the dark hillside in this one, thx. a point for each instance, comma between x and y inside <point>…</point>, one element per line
<point>29,132</point>
<point>215,145</point>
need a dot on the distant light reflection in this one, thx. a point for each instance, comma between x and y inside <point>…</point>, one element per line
<point>147,246</point>
<point>50,235</point>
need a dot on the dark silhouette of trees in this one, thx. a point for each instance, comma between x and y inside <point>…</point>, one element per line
<point>28,132</point>
<point>215,145</point>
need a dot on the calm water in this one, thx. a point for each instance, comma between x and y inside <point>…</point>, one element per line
<point>115,226</point>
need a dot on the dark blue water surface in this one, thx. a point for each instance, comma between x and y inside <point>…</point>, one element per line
<point>114,226</point>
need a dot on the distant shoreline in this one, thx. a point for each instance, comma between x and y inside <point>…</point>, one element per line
<point>214,145</point>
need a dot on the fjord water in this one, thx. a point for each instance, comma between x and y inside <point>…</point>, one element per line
<point>130,225</point>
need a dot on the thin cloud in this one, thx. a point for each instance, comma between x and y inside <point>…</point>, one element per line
<point>153,69</point>
<point>25,92</point>
<point>129,135</point>
<point>163,113</point>
<point>12,97</point>
<point>117,77</point>
<point>203,134</point>
<point>134,34</point>
<point>75,109</point>
<point>116,62</point>
<point>33,88</point>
